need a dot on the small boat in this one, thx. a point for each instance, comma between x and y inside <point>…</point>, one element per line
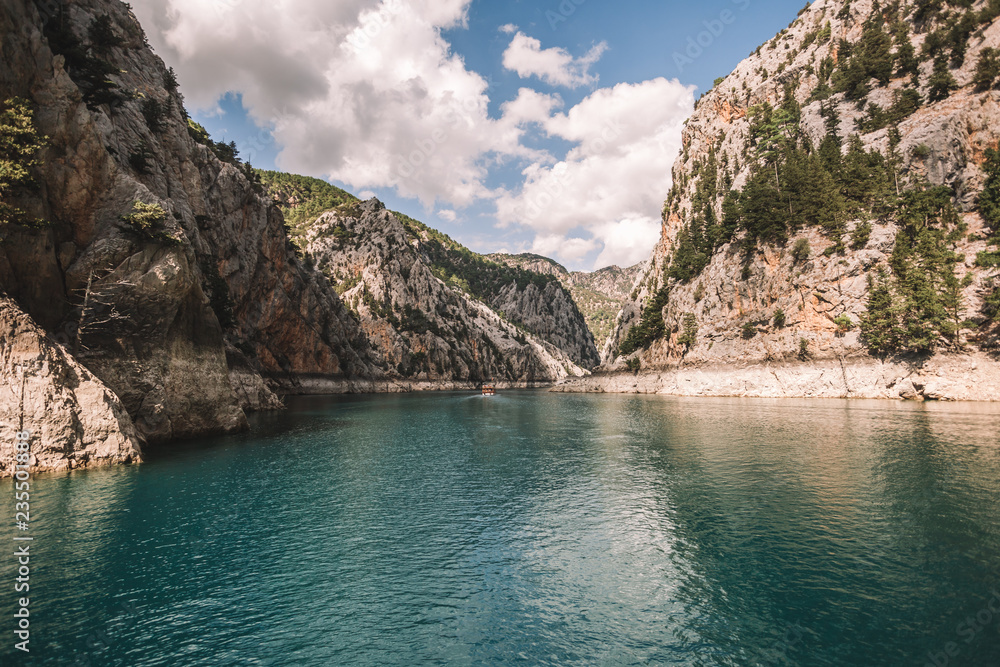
<point>489,390</point>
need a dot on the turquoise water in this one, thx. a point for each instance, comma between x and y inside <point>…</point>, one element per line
<point>532,528</point>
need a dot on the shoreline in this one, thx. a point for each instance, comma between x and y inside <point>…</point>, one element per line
<point>969,377</point>
<point>327,386</point>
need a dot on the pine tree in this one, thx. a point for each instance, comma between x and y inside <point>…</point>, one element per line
<point>941,82</point>
<point>987,69</point>
<point>989,199</point>
<point>880,328</point>
<point>20,143</point>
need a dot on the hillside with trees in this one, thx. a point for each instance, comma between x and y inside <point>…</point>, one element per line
<point>835,198</point>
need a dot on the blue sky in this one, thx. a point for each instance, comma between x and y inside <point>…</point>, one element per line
<point>546,127</point>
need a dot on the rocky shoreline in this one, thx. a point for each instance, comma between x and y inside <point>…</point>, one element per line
<point>326,386</point>
<point>967,377</point>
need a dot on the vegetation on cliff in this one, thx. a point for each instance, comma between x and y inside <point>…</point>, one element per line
<point>20,143</point>
<point>764,182</point>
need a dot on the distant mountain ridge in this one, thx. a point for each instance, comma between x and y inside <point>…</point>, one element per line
<point>599,294</point>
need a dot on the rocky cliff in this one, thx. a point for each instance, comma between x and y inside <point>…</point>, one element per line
<point>73,419</point>
<point>598,294</point>
<point>835,201</point>
<point>534,301</point>
<point>143,247</point>
<point>426,324</point>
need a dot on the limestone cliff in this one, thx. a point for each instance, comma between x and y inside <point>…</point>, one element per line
<point>599,294</point>
<point>74,420</point>
<point>162,268</point>
<point>425,325</point>
<point>848,149</point>
<point>535,301</point>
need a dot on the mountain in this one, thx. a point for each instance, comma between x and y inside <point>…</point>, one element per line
<point>151,288</point>
<point>832,228</point>
<point>534,302</point>
<point>599,294</point>
<point>147,250</point>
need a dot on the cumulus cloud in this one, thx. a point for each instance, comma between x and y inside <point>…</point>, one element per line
<point>554,66</point>
<point>369,93</point>
<point>364,92</point>
<point>447,215</point>
<point>611,185</point>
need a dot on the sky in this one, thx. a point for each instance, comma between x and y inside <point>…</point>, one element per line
<point>547,127</point>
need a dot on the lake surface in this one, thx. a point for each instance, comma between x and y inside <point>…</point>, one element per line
<point>532,528</point>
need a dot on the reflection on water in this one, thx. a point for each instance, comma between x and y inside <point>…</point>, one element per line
<point>533,528</point>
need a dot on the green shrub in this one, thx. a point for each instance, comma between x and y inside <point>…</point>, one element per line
<point>803,349</point>
<point>20,143</point>
<point>155,114</point>
<point>779,318</point>
<point>749,330</point>
<point>145,217</point>
<point>89,71</point>
<point>102,36</point>
<point>633,365</point>
<point>861,234</point>
<point>844,324</point>
<point>988,260</point>
<point>801,250</point>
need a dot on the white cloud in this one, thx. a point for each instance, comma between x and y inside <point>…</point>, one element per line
<point>364,92</point>
<point>530,106</point>
<point>555,66</point>
<point>368,93</point>
<point>613,182</point>
<point>508,29</point>
<point>447,215</point>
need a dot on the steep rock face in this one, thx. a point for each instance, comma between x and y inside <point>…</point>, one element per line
<point>763,302</point>
<point>598,294</point>
<point>551,314</point>
<point>217,251</point>
<point>418,325</point>
<point>75,421</point>
<point>525,297</point>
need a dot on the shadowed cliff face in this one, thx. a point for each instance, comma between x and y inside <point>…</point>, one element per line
<point>418,325</point>
<point>840,69</point>
<point>153,310</point>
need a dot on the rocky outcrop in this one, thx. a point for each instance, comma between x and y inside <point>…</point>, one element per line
<point>766,303</point>
<point>551,314</point>
<point>152,307</point>
<point>74,420</point>
<point>598,294</point>
<point>424,329</point>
